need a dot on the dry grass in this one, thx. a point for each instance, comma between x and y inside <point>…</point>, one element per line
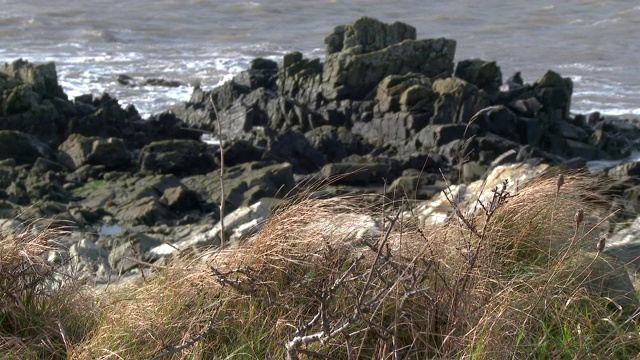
<point>41,316</point>
<point>514,277</point>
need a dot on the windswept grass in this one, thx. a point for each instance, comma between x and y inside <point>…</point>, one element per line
<point>515,276</point>
<point>40,315</point>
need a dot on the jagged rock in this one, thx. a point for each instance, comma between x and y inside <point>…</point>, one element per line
<point>147,210</point>
<point>356,173</point>
<point>42,79</point>
<point>390,127</point>
<point>79,150</point>
<point>367,35</point>
<point>23,148</point>
<point>352,76</point>
<point>180,157</point>
<point>258,179</point>
<point>437,135</point>
<point>393,87</point>
<point>485,75</point>
<point>500,121</point>
<point>293,147</point>
<point>458,101</point>
<point>88,258</point>
<point>554,92</point>
<point>241,222</point>
<point>336,143</point>
<point>122,258</point>
<point>180,199</point>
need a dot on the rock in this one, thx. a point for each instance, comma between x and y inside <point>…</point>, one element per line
<point>367,35</point>
<point>162,83</point>
<point>347,75</point>
<point>88,258</point>
<point>356,173</point>
<point>437,135</point>
<point>272,180</point>
<point>180,199</point>
<point>240,223</point>
<point>240,151</point>
<point>336,143</point>
<point>393,87</point>
<point>294,148</point>
<point>42,79</point>
<point>23,148</point>
<point>472,171</point>
<point>412,187</point>
<point>79,150</point>
<point>457,101</point>
<point>554,92</point>
<point>438,209</point>
<point>390,128</point>
<point>126,80</point>
<point>629,169</point>
<point>485,75</point>
<point>147,210</point>
<point>123,259</point>
<point>498,120</point>
<point>179,157</point>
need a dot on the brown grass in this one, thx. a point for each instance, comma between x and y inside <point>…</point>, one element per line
<point>515,276</point>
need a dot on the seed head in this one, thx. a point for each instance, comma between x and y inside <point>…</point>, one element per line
<point>601,243</point>
<point>560,182</point>
<point>578,217</point>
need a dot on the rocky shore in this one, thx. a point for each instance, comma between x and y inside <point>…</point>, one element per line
<point>383,111</point>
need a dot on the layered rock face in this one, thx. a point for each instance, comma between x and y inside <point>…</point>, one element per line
<point>382,108</point>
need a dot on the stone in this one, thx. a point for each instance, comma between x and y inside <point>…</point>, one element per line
<point>367,35</point>
<point>122,258</point>
<point>554,92</point>
<point>438,135</point>
<point>180,199</point>
<point>346,75</point>
<point>179,157</point>
<point>79,150</point>
<point>87,258</point>
<point>356,173</point>
<point>457,101</point>
<point>390,90</point>
<point>485,75</point>
<point>238,224</point>
<point>147,210</point>
<point>498,120</point>
<point>336,143</point>
<point>23,148</point>
<point>274,180</point>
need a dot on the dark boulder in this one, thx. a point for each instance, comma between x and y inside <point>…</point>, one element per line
<point>23,148</point>
<point>336,143</point>
<point>356,173</point>
<point>457,101</point>
<point>354,76</point>
<point>79,150</point>
<point>179,157</point>
<point>485,75</point>
<point>554,92</point>
<point>180,199</point>
<point>367,35</point>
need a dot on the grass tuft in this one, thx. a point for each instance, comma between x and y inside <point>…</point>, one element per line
<point>514,274</point>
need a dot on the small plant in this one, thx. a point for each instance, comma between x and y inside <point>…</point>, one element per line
<point>40,315</point>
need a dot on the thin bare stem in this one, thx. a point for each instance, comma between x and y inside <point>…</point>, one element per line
<point>222,193</point>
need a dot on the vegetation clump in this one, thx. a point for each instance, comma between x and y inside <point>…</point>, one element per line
<point>518,275</point>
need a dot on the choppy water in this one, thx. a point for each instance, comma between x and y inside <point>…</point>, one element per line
<point>597,43</point>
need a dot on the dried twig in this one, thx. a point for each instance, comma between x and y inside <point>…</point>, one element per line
<point>222,193</point>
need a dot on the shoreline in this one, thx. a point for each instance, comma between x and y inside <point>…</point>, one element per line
<point>393,113</point>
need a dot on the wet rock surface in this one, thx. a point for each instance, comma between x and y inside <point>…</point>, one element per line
<point>383,110</point>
